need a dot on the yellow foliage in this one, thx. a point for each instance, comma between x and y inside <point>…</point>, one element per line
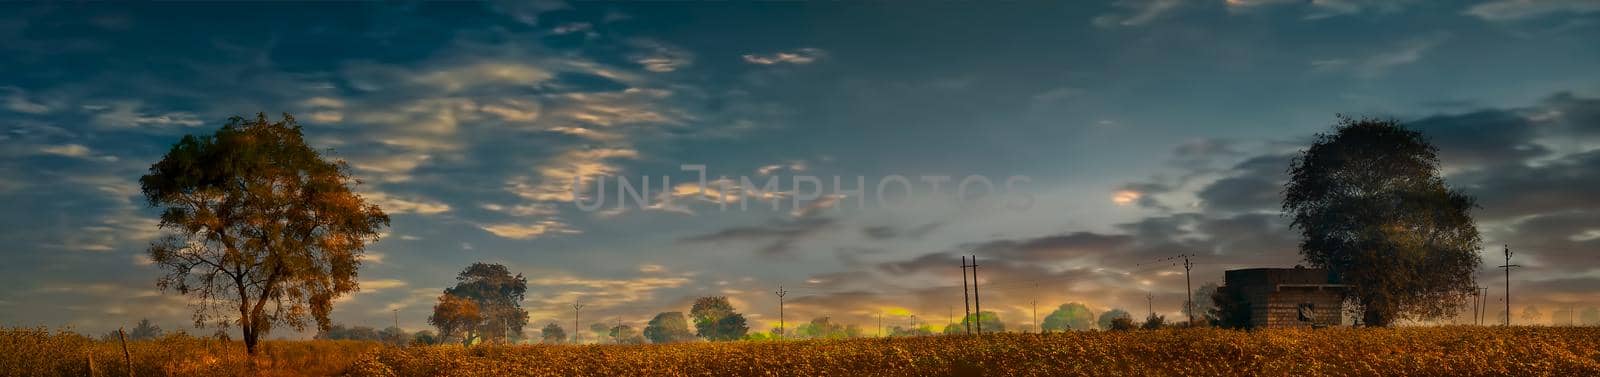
<point>1432,351</point>
<point>40,352</point>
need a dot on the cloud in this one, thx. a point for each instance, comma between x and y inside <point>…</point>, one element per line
<point>557,176</point>
<point>1135,12</point>
<point>777,237</point>
<point>368,286</point>
<point>527,12</point>
<point>68,150</point>
<point>886,232</point>
<point>1519,10</point>
<point>1378,64</point>
<point>129,114</point>
<point>661,57</point>
<point>800,56</point>
<point>16,100</point>
<point>393,204</point>
<point>525,231</point>
<point>573,27</point>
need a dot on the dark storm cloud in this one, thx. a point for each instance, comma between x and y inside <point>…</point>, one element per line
<point>1481,138</point>
<point>776,237</point>
<point>1059,247</point>
<point>887,232</point>
<point>1256,185</point>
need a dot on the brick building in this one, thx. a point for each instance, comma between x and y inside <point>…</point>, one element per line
<point>1286,297</point>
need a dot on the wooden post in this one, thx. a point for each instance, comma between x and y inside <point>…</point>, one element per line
<point>126,357</point>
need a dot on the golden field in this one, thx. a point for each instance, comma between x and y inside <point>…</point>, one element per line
<point>1418,351</point>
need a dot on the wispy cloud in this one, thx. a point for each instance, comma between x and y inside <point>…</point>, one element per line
<point>799,56</point>
<point>1518,10</point>
<point>1378,64</point>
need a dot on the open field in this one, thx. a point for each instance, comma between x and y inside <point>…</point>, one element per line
<point>1459,351</point>
<point>39,352</point>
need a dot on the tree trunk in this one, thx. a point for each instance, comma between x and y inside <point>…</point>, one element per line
<point>250,338</point>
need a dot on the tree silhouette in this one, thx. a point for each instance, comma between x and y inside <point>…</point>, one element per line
<point>145,331</point>
<point>498,297</point>
<point>1154,321</point>
<point>457,316</point>
<point>1203,303</point>
<point>990,321</point>
<point>1111,315</point>
<point>1372,208</point>
<point>1531,315</point>
<point>715,319</point>
<point>1070,316</point>
<point>1228,308</point>
<point>259,225</point>
<point>553,334</point>
<point>668,327</point>
<point>624,334</point>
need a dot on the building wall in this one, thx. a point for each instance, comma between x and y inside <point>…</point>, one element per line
<point>1271,306</point>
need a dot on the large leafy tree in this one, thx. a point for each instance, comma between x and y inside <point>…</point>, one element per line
<point>457,316</point>
<point>823,328</point>
<point>1203,302</point>
<point>1372,208</point>
<point>553,334</point>
<point>715,319</point>
<point>496,294</point>
<point>668,327</point>
<point>1105,320</point>
<point>145,331</point>
<point>990,321</point>
<point>261,229</point>
<point>1070,316</point>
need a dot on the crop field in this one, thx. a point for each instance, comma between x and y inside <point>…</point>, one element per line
<point>1429,351</point>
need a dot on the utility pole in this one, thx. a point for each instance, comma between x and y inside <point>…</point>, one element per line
<point>1035,303</point>
<point>780,293</point>
<point>397,318</point>
<point>1508,266</point>
<point>977,299</point>
<point>1477,300</point>
<point>1188,286</point>
<point>1150,304</point>
<point>1483,305</point>
<point>577,334</point>
<point>966,302</point>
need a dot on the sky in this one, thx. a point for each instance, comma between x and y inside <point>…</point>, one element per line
<point>1142,130</point>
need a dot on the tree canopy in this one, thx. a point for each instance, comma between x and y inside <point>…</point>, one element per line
<point>1105,319</point>
<point>553,334</point>
<point>457,317</point>
<point>1372,208</point>
<point>261,229</point>
<point>668,327</point>
<point>495,294</point>
<point>715,319</point>
<point>825,328</point>
<point>1070,316</point>
<point>990,322</point>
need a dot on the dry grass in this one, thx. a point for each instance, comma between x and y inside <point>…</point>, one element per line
<point>40,352</point>
<point>1454,351</point>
